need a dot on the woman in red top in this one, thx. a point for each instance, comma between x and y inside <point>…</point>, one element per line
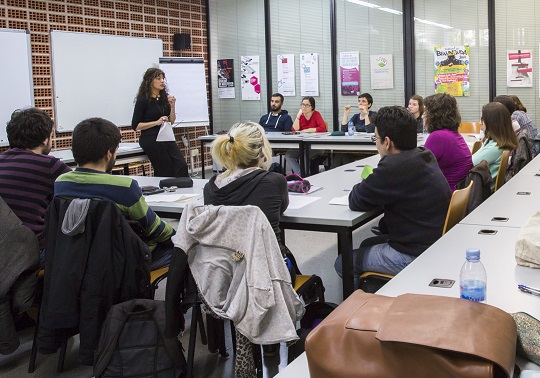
<point>307,120</point>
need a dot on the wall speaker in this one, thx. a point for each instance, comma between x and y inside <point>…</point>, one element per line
<point>181,41</point>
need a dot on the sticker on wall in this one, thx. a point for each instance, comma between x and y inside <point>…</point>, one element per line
<point>225,73</point>
<point>249,78</point>
<point>349,73</point>
<point>452,70</point>
<point>285,75</point>
<point>309,74</point>
<point>519,68</point>
<point>382,71</point>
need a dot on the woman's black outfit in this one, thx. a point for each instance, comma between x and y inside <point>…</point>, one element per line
<point>166,157</point>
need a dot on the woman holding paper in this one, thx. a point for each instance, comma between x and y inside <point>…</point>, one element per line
<point>153,108</point>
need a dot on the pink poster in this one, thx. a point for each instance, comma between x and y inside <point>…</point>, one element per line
<point>349,73</point>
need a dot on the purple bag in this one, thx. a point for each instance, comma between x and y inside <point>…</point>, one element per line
<point>297,184</point>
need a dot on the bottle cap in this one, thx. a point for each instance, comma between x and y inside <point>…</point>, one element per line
<point>473,254</point>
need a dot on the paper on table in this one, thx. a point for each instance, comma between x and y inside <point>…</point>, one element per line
<point>170,197</point>
<point>313,189</point>
<point>344,200</point>
<point>296,202</point>
<point>165,133</point>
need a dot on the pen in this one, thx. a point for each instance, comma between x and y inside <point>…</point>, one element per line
<point>529,290</point>
<point>346,190</point>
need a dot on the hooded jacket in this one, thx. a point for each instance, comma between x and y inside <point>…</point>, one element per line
<point>280,122</point>
<point>236,262</point>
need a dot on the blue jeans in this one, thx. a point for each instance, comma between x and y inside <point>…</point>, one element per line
<point>375,258</point>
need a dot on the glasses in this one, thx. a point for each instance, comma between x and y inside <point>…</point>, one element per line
<point>374,138</point>
<point>305,105</point>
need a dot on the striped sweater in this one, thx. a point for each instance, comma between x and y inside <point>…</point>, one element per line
<point>26,184</point>
<point>123,191</point>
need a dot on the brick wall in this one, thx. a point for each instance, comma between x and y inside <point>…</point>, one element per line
<point>136,18</point>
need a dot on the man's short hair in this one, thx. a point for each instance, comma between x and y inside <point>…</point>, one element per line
<point>28,128</point>
<point>398,124</point>
<point>368,97</point>
<point>278,95</point>
<point>92,138</point>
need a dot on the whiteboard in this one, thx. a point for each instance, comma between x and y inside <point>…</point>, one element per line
<point>15,76</point>
<point>97,75</point>
<point>186,80</point>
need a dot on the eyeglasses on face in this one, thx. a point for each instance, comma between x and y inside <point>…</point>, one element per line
<point>305,105</point>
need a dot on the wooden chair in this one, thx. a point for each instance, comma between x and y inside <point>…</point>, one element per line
<point>476,146</point>
<point>457,209</point>
<point>499,181</point>
<point>469,127</point>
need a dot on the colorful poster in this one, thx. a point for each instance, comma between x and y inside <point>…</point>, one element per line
<point>382,71</point>
<point>285,75</point>
<point>309,74</point>
<point>519,68</point>
<point>452,70</point>
<point>225,74</point>
<point>349,72</point>
<point>249,78</point>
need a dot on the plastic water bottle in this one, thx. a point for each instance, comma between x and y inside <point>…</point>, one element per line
<point>473,278</point>
<point>350,128</point>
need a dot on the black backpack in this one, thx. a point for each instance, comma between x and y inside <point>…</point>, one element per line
<point>132,343</point>
<point>315,313</point>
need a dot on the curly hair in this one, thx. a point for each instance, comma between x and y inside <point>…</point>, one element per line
<point>244,146</point>
<point>28,128</point>
<point>442,112</point>
<point>145,89</point>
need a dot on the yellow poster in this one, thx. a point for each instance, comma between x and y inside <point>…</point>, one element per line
<point>452,70</point>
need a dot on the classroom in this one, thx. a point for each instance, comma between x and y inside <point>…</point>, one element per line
<point>309,65</point>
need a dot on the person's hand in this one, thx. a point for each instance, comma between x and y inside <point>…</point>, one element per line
<point>161,120</point>
<point>364,111</point>
<point>347,108</point>
<point>172,100</point>
<point>299,113</point>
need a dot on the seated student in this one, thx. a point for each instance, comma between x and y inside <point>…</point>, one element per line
<point>499,135</point>
<point>410,187</point>
<point>94,145</point>
<point>362,120</point>
<point>278,119</point>
<point>416,107</point>
<point>520,115</point>
<point>27,172</point>
<point>442,120</point>
<point>307,120</point>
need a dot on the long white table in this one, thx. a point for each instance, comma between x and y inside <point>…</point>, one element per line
<point>127,153</point>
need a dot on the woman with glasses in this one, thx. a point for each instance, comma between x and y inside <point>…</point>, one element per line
<point>307,120</point>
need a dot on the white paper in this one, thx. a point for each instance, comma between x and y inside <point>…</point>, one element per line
<point>311,190</point>
<point>286,75</point>
<point>249,78</point>
<point>297,202</point>
<point>309,74</point>
<point>382,71</point>
<point>344,200</point>
<point>170,197</point>
<point>165,133</point>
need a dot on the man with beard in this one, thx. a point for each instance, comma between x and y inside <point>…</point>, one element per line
<point>277,119</point>
<point>94,145</point>
<point>27,172</point>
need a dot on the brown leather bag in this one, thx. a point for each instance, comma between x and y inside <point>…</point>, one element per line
<point>412,335</point>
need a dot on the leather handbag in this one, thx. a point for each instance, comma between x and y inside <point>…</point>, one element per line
<point>412,335</point>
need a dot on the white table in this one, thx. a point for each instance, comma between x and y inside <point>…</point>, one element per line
<point>514,209</point>
<point>127,153</point>
<point>533,166</point>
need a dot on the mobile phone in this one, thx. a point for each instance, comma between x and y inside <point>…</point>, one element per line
<point>350,170</point>
<point>441,282</point>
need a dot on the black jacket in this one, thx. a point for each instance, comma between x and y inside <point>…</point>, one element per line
<point>481,188</point>
<point>87,273</point>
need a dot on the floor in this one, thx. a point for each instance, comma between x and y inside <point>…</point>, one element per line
<point>315,253</point>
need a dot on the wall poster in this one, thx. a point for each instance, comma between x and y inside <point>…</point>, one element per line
<point>225,74</point>
<point>249,77</point>
<point>452,70</point>
<point>382,71</point>
<point>519,68</point>
<point>286,75</point>
<point>349,73</point>
<point>309,74</point>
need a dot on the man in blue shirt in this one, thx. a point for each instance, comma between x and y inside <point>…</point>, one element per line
<point>277,119</point>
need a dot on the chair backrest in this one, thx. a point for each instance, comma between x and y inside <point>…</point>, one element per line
<point>469,127</point>
<point>499,181</point>
<point>476,146</point>
<point>326,124</point>
<point>457,208</point>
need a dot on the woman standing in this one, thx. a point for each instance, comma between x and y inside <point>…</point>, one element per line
<point>416,108</point>
<point>153,107</point>
<point>307,120</point>
<point>442,119</point>
<point>499,135</point>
